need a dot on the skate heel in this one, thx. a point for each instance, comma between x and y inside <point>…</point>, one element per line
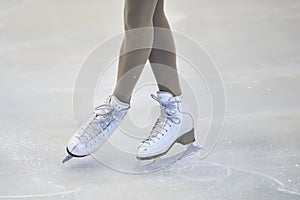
<point>187,138</point>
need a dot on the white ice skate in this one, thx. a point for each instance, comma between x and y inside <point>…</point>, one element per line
<point>174,125</point>
<point>93,134</point>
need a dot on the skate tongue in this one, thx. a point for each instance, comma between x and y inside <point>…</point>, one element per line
<point>164,96</point>
<point>117,104</point>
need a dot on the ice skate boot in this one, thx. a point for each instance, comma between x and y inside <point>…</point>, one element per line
<point>93,134</point>
<point>173,126</point>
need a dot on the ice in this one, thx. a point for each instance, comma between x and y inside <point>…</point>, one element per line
<point>255,45</point>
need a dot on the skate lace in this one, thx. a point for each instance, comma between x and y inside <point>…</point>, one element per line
<point>168,116</point>
<point>104,116</point>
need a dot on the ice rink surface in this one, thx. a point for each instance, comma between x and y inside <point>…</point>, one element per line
<point>255,45</point>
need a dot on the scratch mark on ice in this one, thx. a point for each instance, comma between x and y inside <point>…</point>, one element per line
<point>281,187</point>
<point>38,195</point>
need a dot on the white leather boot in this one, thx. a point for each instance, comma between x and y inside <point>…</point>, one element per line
<point>93,134</point>
<point>173,125</point>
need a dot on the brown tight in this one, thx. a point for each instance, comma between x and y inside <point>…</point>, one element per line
<point>140,14</point>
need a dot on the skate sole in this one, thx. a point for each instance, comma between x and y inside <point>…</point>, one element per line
<point>185,139</point>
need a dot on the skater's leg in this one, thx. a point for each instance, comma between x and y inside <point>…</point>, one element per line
<point>175,124</point>
<point>163,62</point>
<point>137,14</point>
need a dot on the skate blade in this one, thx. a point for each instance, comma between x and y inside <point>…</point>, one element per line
<point>67,158</point>
<point>190,150</point>
<point>159,163</point>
